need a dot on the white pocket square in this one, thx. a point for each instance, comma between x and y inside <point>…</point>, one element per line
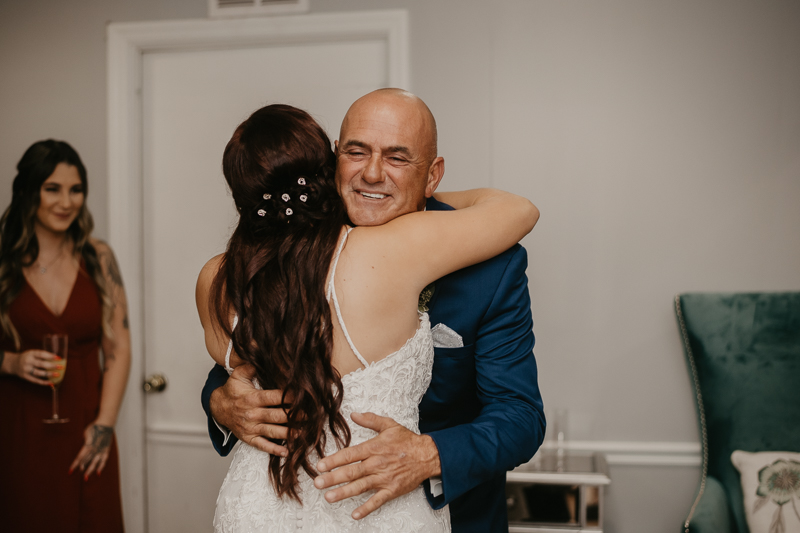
<point>444,337</point>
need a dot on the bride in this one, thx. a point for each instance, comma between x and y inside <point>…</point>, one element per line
<point>328,314</point>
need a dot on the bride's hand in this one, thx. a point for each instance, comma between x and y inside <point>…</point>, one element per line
<point>253,415</point>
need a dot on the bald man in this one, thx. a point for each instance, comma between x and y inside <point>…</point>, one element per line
<point>482,414</point>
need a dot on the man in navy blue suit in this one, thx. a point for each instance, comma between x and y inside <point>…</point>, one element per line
<point>482,414</point>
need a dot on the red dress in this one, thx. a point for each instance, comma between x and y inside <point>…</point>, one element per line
<point>36,493</point>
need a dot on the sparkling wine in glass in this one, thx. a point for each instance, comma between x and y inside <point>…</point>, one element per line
<point>56,344</point>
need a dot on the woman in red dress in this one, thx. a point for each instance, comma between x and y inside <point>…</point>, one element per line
<point>54,278</point>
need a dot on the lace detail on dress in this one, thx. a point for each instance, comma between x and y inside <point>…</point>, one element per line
<point>390,387</point>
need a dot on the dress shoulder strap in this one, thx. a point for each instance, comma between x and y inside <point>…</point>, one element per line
<point>331,293</point>
<point>336,262</point>
<point>230,347</point>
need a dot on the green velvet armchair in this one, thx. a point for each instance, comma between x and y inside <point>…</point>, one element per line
<point>743,354</point>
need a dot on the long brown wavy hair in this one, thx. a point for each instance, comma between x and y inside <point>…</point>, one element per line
<point>19,247</point>
<point>280,169</point>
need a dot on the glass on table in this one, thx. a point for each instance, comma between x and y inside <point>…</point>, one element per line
<point>560,433</point>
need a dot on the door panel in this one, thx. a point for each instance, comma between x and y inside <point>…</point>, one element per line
<point>191,103</point>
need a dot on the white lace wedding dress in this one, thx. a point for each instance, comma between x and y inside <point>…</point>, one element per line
<point>390,387</point>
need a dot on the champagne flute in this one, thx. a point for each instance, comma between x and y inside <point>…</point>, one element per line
<point>57,344</point>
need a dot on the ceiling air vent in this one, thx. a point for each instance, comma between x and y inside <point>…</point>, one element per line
<point>254,8</point>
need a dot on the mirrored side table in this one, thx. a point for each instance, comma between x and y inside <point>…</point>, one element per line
<point>557,493</point>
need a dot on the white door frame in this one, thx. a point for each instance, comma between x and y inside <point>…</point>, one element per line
<point>127,43</point>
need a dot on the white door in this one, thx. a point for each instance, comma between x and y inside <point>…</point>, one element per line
<point>191,101</point>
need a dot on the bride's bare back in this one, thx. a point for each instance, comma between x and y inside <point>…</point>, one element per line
<point>383,269</point>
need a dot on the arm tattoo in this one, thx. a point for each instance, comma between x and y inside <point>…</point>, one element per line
<point>108,357</point>
<point>117,287</point>
<point>101,437</point>
<point>113,268</point>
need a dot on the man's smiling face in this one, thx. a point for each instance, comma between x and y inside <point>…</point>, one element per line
<point>386,163</point>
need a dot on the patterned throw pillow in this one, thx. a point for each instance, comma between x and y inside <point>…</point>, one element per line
<point>771,487</point>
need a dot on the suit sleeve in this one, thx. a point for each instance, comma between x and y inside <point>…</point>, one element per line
<point>510,426</point>
<point>216,379</point>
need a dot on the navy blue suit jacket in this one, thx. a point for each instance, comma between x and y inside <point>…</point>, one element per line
<point>483,407</point>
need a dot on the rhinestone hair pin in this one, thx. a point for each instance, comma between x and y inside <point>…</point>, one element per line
<point>285,197</point>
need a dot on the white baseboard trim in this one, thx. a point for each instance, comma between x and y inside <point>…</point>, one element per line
<point>638,453</point>
<point>618,453</point>
<point>633,459</point>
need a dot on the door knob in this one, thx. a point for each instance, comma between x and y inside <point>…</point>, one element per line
<point>155,383</point>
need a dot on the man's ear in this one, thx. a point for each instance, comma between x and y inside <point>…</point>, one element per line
<point>435,175</point>
<point>336,148</point>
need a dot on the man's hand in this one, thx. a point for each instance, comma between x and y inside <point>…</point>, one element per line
<point>252,415</point>
<point>393,463</point>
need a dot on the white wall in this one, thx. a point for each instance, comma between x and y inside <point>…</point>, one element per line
<point>53,68</point>
<point>661,141</point>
